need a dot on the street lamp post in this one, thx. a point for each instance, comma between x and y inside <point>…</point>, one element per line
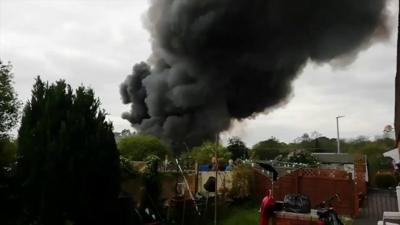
<point>337,129</point>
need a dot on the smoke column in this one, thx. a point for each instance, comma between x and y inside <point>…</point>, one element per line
<point>214,61</point>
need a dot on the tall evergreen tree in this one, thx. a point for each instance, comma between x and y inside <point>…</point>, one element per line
<point>68,159</point>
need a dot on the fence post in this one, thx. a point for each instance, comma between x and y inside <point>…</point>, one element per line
<point>356,200</point>
<point>398,197</point>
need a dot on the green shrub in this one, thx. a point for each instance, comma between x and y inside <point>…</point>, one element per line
<point>242,181</point>
<point>127,169</point>
<point>385,179</point>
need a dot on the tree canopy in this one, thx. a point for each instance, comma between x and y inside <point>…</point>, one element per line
<point>68,160</point>
<point>204,153</point>
<point>237,148</point>
<point>138,147</point>
<point>301,156</point>
<point>268,149</point>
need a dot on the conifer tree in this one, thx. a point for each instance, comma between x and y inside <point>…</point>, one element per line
<point>68,159</point>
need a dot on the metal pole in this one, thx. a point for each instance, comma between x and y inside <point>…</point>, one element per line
<point>187,186</point>
<point>338,137</point>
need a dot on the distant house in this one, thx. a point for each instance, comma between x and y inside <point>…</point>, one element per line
<point>343,161</point>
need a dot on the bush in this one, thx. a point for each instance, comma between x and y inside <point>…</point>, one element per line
<point>385,180</point>
<point>127,169</point>
<point>242,181</point>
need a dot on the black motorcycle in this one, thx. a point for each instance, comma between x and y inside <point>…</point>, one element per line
<point>327,215</point>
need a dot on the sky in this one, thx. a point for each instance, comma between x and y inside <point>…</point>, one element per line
<point>97,42</point>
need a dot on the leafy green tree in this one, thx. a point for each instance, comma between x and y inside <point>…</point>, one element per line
<point>324,145</point>
<point>237,148</point>
<point>9,115</point>
<point>204,153</point>
<point>268,149</point>
<point>373,150</point>
<point>68,160</point>
<point>9,104</point>
<point>138,147</point>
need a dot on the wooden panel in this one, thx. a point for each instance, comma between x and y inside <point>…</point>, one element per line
<point>317,184</point>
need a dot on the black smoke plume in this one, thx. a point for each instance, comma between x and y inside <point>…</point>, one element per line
<point>215,61</point>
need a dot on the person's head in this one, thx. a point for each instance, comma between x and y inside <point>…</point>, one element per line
<point>230,162</point>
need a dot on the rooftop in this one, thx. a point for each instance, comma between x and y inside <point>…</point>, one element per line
<point>341,158</point>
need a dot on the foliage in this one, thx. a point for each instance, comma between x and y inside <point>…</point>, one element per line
<point>268,149</point>
<point>127,168</point>
<point>315,142</point>
<point>301,156</point>
<point>138,147</point>
<point>203,154</point>
<point>242,181</point>
<point>237,148</point>
<point>8,152</point>
<point>68,160</point>
<point>373,150</point>
<point>385,180</point>
<point>369,148</point>
<point>10,207</point>
<point>152,183</point>
<point>9,104</point>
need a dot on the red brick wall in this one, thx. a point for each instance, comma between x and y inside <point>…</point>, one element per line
<point>286,221</point>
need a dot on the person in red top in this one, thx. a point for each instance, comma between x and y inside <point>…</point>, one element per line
<point>267,208</point>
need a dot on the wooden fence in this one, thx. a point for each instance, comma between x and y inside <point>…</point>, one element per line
<point>318,184</point>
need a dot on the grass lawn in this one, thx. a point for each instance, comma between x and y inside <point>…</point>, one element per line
<point>241,215</point>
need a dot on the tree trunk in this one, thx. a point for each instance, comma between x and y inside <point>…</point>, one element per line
<point>397,87</point>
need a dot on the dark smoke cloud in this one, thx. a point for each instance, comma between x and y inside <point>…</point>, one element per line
<point>214,61</point>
